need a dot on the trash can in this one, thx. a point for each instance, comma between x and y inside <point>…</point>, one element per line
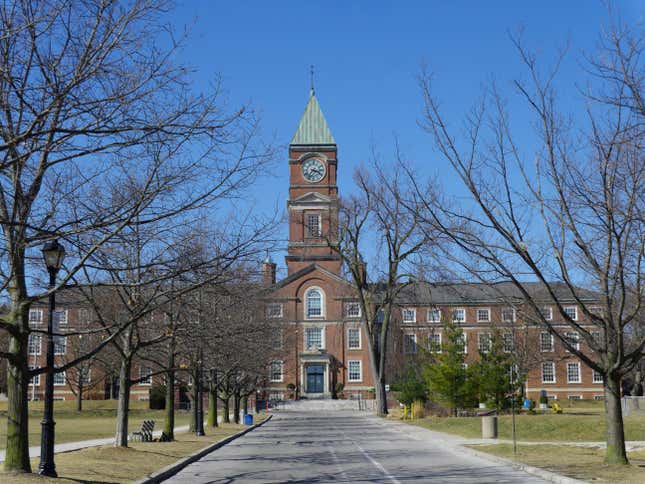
<point>489,425</point>
<point>248,419</point>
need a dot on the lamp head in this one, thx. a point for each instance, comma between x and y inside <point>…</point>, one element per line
<point>54,254</point>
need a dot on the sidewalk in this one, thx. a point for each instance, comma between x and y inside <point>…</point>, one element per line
<point>70,446</point>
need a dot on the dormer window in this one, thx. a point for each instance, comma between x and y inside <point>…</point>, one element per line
<point>314,226</point>
<point>314,303</point>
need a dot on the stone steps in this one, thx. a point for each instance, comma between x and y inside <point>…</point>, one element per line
<point>325,405</point>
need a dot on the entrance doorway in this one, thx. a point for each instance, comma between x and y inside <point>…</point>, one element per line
<point>315,380</point>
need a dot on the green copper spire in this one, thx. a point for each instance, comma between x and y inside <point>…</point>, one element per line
<point>313,129</point>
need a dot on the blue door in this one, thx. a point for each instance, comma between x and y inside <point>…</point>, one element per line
<point>315,379</point>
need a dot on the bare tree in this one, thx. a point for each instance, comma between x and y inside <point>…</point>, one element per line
<point>378,215</point>
<point>569,214</point>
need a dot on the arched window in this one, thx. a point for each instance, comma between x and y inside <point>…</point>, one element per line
<point>314,303</point>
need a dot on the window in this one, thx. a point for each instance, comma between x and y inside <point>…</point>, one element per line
<point>352,310</point>
<point>573,372</point>
<point>274,310</point>
<point>355,373</point>
<point>574,339</point>
<point>277,371</point>
<point>85,376</point>
<point>60,345</point>
<point>513,372</point>
<point>546,342</point>
<point>84,316</point>
<point>354,338</point>
<point>596,377</point>
<point>35,341</point>
<point>410,343</point>
<point>597,311</point>
<point>61,317</point>
<point>145,376</point>
<point>483,315</point>
<point>314,338</point>
<point>313,225</point>
<point>458,315</point>
<point>34,381</point>
<point>36,316</point>
<point>547,313</point>
<point>59,378</point>
<point>508,315</point>
<point>464,342</point>
<point>434,315</point>
<point>598,397</point>
<point>484,342</point>
<point>548,372</point>
<point>508,343</point>
<point>434,342</point>
<point>575,397</point>
<point>314,303</point>
<point>278,342</point>
<point>572,312</point>
<point>409,315</point>
<point>597,337</point>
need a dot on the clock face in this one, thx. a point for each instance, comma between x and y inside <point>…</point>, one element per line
<point>313,170</point>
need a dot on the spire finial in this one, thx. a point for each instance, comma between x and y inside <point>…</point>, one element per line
<point>311,73</point>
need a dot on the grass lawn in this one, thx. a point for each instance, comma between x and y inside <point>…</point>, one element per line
<point>549,427</point>
<point>114,465</point>
<point>580,463</point>
<point>95,421</point>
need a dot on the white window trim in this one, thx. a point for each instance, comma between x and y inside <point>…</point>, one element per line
<point>514,316</point>
<point>40,319</point>
<point>281,379</point>
<point>504,335</point>
<point>414,315</point>
<point>64,379</point>
<point>577,335</point>
<point>360,371</point>
<point>483,320</point>
<point>429,319</point>
<point>141,375</point>
<point>574,397</point>
<point>465,338</point>
<point>274,305</point>
<point>360,339</point>
<point>555,378</point>
<point>453,310</point>
<point>579,380</point>
<point>322,337</point>
<point>430,345</point>
<point>575,308</point>
<point>479,342</point>
<point>63,317</point>
<point>59,353</point>
<point>356,304</point>
<point>323,304</point>
<point>40,344</point>
<point>550,315</point>
<point>308,233</point>
<point>594,380</point>
<point>552,342</point>
<point>405,345</point>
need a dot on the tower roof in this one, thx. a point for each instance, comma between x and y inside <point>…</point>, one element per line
<point>313,129</point>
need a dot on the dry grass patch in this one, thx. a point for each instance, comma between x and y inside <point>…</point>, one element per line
<point>577,462</point>
<point>115,465</point>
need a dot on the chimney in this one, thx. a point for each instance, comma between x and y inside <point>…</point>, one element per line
<point>268,271</point>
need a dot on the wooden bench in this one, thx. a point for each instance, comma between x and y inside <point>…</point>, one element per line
<point>145,433</point>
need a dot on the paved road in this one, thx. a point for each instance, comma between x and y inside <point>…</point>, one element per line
<point>299,447</point>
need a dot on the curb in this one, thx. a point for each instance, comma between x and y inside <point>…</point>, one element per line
<point>173,469</point>
<point>536,471</point>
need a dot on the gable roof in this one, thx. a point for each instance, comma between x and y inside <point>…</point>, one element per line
<point>313,129</point>
<point>306,270</point>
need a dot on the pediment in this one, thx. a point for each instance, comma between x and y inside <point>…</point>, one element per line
<point>312,197</point>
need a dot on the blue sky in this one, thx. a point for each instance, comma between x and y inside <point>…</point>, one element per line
<point>367,57</point>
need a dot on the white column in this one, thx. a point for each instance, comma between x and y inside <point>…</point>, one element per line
<point>326,379</point>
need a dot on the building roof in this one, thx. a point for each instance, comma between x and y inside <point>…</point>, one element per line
<point>313,129</point>
<point>477,293</point>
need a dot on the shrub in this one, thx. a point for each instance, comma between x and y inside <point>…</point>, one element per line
<point>158,397</point>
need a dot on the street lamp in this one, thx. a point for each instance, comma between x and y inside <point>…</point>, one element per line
<point>54,254</point>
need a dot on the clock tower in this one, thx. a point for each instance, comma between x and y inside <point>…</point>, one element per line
<point>313,193</point>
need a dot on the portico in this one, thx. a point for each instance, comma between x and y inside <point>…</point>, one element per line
<point>314,374</point>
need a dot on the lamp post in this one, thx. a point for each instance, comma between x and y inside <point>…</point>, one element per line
<point>53,253</point>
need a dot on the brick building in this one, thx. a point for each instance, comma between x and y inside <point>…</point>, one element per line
<point>321,345</point>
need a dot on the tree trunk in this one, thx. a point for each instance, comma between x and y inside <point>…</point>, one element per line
<point>616,453</point>
<point>236,408</point>
<point>169,416</point>
<point>123,406</point>
<point>195,406</point>
<point>227,409</point>
<point>377,365</point>
<point>212,403</point>
<point>17,454</point>
<point>245,405</point>
<point>79,395</point>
